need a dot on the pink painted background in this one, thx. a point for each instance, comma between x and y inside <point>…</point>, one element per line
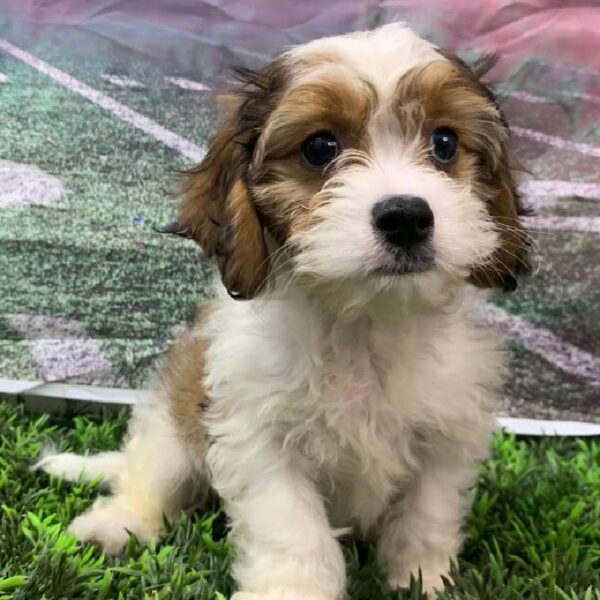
<point>562,30</point>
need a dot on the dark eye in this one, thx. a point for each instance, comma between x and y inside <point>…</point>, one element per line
<point>320,149</point>
<point>444,146</point>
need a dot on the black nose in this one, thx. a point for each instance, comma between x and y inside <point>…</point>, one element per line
<point>403,221</point>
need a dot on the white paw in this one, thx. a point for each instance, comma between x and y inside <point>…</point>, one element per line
<point>109,524</point>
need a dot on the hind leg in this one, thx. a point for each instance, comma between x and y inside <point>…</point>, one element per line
<point>160,467</point>
<point>150,477</point>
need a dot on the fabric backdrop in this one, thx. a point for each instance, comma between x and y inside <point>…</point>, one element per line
<point>101,102</point>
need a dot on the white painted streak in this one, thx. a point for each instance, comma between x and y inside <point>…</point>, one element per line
<point>527,97</point>
<point>188,84</point>
<point>120,81</point>
<point>582,224</point>
<point>25,185</point>
<point>560,188</point>
<point>3,78</point>
<point>545,344</point>
<point>141,122</point>
<point>61,350</point>
<point>533,99</point>
<point>546,194</point>
<point>574,69</point>
<point>583,96</point>
<point>556,141</point>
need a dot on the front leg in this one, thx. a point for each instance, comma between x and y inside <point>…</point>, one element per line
<point>284,546</point>
<point>423,529</point>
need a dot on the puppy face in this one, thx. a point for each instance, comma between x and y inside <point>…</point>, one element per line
<point>372,157</point>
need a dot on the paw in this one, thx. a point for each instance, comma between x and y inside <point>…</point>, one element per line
<point>109,525</point>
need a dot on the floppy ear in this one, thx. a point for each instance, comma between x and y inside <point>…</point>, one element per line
<point>510,259</point>
<point>217,210</point>
<point>502,198</point>
<point>218,213</point>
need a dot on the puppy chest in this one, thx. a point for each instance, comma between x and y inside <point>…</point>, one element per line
<point>361,433</point>
<point>358,385</point>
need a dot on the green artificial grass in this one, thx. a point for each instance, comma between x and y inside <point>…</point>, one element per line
<point>533,531</point>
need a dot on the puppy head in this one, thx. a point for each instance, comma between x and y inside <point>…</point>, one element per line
<point>372,157</point>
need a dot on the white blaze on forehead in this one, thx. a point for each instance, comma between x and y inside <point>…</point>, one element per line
<point>380,56</point>
<point>23,185</point>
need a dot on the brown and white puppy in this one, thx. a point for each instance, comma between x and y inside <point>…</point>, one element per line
<point>356,198</point>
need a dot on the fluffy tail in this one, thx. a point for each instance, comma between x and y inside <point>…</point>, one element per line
<point>106,465</point>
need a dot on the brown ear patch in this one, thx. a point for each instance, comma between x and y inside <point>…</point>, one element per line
<point>218,213</point>
<point>244,264</point>
<point>494,177</point>
<point>511,258</point>
<point>217,209</point>
<point>503,200</point>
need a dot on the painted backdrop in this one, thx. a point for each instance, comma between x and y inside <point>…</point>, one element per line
<point>101,102</point>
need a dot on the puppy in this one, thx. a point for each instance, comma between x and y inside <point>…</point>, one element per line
<point>341,380</point>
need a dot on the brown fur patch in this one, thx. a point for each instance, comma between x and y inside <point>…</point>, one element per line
<point>183,373</point>
<point>284,188</point>
<point>511,258</point>
<point>217,210</point>
<point>448,99</point>
<point>452,95</point>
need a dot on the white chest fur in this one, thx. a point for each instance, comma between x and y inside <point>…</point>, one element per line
<point>356,400</point>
